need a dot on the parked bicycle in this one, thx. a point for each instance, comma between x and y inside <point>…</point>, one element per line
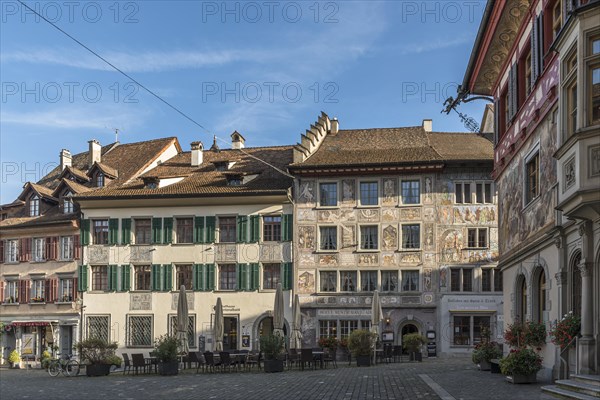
<point>65,364</point>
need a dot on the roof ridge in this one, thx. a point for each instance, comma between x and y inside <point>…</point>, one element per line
<point>430,145</point>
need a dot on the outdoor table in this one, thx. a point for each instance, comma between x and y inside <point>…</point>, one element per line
<point>151,362</point>
<point>318,355</point>
<point>238,358</point>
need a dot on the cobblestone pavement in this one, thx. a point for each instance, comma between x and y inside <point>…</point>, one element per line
<point>458,377</point>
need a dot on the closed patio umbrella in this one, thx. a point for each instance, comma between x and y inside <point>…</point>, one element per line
<point>296,339</point>
<point>376,317</point>
<point>218,326</point>
<point>182,321</point>
<point>278,312</point>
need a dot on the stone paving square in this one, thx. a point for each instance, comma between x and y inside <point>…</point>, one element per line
<point>458,377</point>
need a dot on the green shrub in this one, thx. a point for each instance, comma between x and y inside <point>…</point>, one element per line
<point>96,351</point>
<point>272,346</point>
<point>165,348</point>
<point>361,342</point>
<point>413,342</point>
<point>486,351</point>
<point>522,361</point>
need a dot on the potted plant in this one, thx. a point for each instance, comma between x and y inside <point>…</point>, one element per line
<point>484,352</point>
<point>14,359</point>
<point>521,365</point>
<point>96,354</point>
<point>528,334</point>
<point>361,343</point>
<point>165,351</point>
<point>413,342</point>
<point>272,347</point>
<point>562,332</point>
<point>46,357</point>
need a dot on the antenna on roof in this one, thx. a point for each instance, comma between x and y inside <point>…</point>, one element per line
<point>116,134</point>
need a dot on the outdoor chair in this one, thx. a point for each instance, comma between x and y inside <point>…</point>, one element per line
<point>241,358</point>
<point>292,358</point>
<point>397,353</point>
<point>126,363</point>
<point>200,360</point>
<point>329,356</point>
<point>210,361</point>
<point>226,361</point>
<point>138,361</point>
<point>253,358</point>
<point>306,356</point>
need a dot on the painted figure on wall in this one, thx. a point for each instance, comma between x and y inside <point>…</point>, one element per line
<point>452,244</point>
<point>306,192</point>
<point>389,191</point>
<point>347,190</point>
<point>306,282</point>
<point>306,237</point>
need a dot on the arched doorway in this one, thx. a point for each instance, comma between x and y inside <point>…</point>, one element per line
<point>265,328</point>
<point>406,330</point>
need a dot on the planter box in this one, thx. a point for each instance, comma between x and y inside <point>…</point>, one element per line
<point>363,361</point>
<point>97,369</point>
<point>485,366</point>
<point>273,365</point>
<point>522,378</point>
<point>416,357</point>
<point>168,368</point>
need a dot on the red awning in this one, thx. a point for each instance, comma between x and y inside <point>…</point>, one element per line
<point>31,323</point>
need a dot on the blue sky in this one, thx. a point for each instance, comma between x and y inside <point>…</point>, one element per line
<point>265,68</point>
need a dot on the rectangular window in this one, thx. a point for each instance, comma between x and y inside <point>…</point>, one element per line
<point>411,236</point>
<point>479,324</point>
<point>389,281</point>
<point>368,281</point>
<point>271,276</point>
<point>348,281</point>
<point>528,83</point>
<point>487,193</point>
<point>11,292</point>
<point>34,206</point>
<point>100,231</point>
<point>410,281</point>
<point>139,331</point>
<point>184,276</point>
<point>369,194</point>
<point>142,277</point>
<point>461,279</point>
<point>328,236</point>
<point>12,253</point>
<point>486,280</point>
<point>497,279</point>
<point>66,290</point>
<point>98,327</point>
<point>143,231</point>
<point>227,277</point>
<point>328,281</point>
<point>532,178</point>
<point>227,229</point>
<point>328,194</point>
<point>100,277</point>
<point>68,206</point>
<point>462,330</point>
<point>185,228</point>
<point>556,18</point>
<point>191,331</point>
<point>66,247</point>
<point>37,293</point>
<point>39,251</point>
<point>477,238</point>
<point>272,228</point>
<point>411,192</point>
<point>369,237</point>
<point>327,328</point>
<point>594,113</point>
<point>346,328</point>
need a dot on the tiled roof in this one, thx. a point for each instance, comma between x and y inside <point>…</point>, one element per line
<point>205,180</point>
<point>106,170</point>
<point>384,146</point>
<point>75,172</point>
<point>74,187</point>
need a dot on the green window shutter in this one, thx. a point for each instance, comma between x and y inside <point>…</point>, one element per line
<point>126,231</point>
<point>113,231</point>
<point>242,228</point>
<point>84,234</point>
<point>254,228</point>
<point>287,227</point>
<point>210,277</point>
<point>112,278</point>
<point>199,230</point>
<point>196,273</point>
<point>156,284</point>
<point>168,277</point>
<point>210,229</point>
<point>125,278</point>
<point>255,276</point>
<point>286,276</point>
<point>239,269</point>
<point>157,230</point>
<point>168,230</point>
<point>82,278</point>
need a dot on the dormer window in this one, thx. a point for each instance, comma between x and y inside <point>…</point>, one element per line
<point>152,185</point>
<point>34,206</point>
<point>100,180</point>
<point>68,206</point>
<point>234,180</point>
<point>221,166</point>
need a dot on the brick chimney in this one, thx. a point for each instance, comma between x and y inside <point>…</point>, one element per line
<point>65,159</point>
<point>427,125</point>
<point>95,152</point>
<point>197,153</point>
<point>237,140</point>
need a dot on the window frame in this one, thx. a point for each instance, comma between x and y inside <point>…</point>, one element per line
<point>70,288</point>
<point>391,272</point>
<point>532,157</point>
<point>322,280</point>
<point>146,229</point>
<point>102,231</point>
<point>418,281</point>
<point>274,234</point>
<point>11,252</point>
<point>274,277</point>
<point>12,285</point>
<point>34,206</point>
<point>68,204</point>
<point>37,290</point>
<point>69,245</point>
<point>477,243</point>
<point>568,84</point>
<point>362,283</point>
<point>142,275</point>
<point>337,194</point>
<point>231,228</point>
<point>419,247</point>
<point>462,279</point>
<point>38,249</point>
<point>370,192</point>
<point>592,62</point>
<point>337,238</point>
<point>102,285</point>
<point>128,343</point>
<point>375,229</point>
<point>418,196</point>
<point>231,277</point>
<point>344,275</point>
<point>184,272</point>
<point>184,233</point>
